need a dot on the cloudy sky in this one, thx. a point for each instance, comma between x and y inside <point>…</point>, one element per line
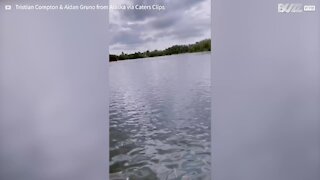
<point>182,22</point>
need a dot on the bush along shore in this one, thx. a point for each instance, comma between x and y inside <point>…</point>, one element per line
<point>201,46</point>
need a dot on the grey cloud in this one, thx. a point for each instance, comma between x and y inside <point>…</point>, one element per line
<point>165,22</point>
<point>185,33</point>
<point>182,32</point>
<point>127,37</point>
<point>182,20</point>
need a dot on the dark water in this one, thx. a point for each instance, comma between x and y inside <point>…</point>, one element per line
<point>160,118</point>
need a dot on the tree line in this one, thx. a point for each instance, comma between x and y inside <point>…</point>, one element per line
<point>201,46</point>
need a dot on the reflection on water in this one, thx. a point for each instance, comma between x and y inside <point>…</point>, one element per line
<point>160,118</point>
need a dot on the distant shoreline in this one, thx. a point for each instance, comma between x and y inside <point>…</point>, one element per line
<point>200,52</point>
<point>201,46</point>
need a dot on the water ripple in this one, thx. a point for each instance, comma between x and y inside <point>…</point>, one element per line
<point>160,119</point>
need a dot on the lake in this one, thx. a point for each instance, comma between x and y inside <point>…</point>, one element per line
<point>160,118</point>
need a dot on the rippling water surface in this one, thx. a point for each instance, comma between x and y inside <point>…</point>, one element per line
<point>160,118</point>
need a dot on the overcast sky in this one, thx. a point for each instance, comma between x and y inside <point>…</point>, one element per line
<point>183,22</point>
